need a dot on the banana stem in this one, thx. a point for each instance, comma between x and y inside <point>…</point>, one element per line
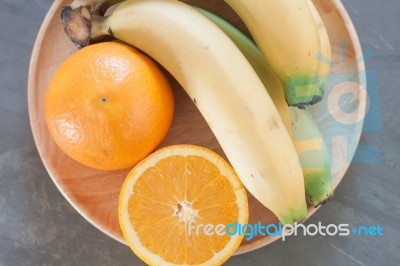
<point>83,21</point>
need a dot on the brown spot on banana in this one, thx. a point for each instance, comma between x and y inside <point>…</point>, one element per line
<point>274,124</point>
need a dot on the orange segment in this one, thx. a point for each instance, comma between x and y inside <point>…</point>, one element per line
<point>173,188</point>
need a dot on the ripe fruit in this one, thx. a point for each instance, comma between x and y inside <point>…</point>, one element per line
<point>224,87</point>
<point>306,137</point>
<point>295,44</point>
<point>108,106</point>
<point>169,189</point>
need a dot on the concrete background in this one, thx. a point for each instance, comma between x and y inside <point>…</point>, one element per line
<point>38,227</point>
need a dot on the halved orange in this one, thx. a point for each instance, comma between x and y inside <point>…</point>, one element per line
<point>167,200</point>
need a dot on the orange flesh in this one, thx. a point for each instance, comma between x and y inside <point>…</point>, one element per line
<point>176,191</point>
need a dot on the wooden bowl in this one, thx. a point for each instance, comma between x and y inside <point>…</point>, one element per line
<point>94,193</point>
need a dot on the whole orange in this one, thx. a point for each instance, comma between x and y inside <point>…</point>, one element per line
<point>108,106</point>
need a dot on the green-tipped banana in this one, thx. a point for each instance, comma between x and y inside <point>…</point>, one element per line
<point>294,42</point>
<point>313,155</point>
<point>305,134</point>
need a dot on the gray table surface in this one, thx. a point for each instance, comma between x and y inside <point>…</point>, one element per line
<point>39,227</point>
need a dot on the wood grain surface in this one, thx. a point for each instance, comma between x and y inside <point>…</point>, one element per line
<point>94,193</point>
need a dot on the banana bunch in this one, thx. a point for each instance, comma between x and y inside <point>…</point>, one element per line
<point>225,75</point>
<point>294,42</point>
<point>307,138</point>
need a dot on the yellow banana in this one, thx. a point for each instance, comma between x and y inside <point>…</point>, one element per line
<point>293,39</point>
